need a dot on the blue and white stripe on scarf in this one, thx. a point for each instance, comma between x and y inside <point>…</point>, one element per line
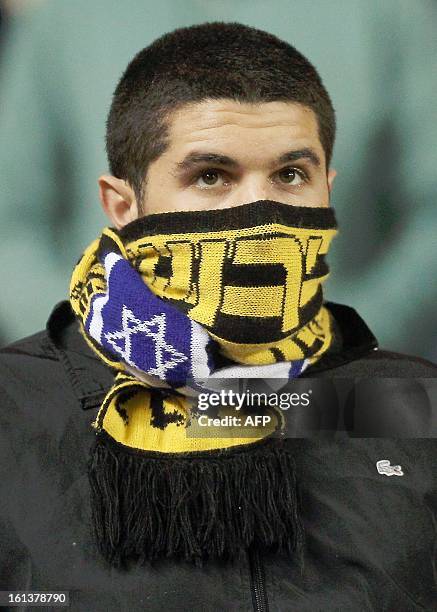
<point>157,342</point>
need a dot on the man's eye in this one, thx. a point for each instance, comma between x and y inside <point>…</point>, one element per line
<point>291,176</point>
<point>209,178</point>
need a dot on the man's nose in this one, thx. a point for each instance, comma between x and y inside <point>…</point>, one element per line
<point>249,190</point>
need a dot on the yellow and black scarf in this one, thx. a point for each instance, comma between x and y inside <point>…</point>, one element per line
<point>170,302</point>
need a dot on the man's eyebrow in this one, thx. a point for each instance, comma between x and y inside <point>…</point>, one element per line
<point>306,153</point>
<point>197,157</point>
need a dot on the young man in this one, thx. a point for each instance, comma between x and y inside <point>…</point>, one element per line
<point>219,141</point>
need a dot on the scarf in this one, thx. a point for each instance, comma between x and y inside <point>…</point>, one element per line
<point>172,302</point>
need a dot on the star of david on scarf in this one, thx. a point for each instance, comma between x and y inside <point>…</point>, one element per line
<point>166,354</point>
<point>155,338</point>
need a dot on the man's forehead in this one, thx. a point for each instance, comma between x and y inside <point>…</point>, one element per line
<point>226,115</point>
<point>257,133</point>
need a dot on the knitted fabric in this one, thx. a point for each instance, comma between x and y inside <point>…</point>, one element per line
<point>171,302</point>
<point>232,293</point>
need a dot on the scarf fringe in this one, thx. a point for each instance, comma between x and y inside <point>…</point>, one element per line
<point>206,505</point>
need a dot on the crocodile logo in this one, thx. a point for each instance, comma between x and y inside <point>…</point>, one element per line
<point>383,466</point>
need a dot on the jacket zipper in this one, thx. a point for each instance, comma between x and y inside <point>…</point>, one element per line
<point>257,582</point>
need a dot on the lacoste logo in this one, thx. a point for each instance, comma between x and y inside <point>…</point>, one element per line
<point>383,466</point>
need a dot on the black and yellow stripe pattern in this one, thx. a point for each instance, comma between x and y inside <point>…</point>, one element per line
<point>251,275</point>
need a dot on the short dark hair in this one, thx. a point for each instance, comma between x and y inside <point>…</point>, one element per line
<point>212,60</point>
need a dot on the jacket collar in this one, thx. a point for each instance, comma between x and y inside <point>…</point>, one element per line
<point>91,379</point>
<point>356,340</point>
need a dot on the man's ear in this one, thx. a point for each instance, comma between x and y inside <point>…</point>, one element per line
<point>331,176</point>
<point>118,200</point>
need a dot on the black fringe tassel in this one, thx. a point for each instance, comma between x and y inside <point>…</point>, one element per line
<point>193,506</point>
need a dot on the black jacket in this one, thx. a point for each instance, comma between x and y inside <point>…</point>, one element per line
<point>371,539</point>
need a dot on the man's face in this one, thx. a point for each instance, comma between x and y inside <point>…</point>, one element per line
<point>223,153</point>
